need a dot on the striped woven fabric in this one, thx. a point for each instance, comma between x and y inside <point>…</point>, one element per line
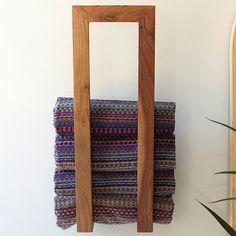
<point>114,161</point>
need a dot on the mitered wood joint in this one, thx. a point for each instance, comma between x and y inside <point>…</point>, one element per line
<point>145,16</point>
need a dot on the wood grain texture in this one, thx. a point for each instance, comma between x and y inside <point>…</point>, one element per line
<point>84,211</point>
<point>146,122</point>
<point>233,123</point>
<point>145,16</point>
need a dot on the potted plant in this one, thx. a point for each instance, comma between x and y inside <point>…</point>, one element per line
<point>221,221</point>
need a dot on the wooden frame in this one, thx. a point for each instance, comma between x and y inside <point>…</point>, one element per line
<point>145,16</point>
<point>233,123</point>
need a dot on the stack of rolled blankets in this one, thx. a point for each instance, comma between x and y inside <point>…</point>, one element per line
<point>114,161</point>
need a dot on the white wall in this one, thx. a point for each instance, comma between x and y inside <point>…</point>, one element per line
<point>36,67</point>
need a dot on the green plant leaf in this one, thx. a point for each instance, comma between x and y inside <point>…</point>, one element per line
<point>222,222</point>
<point>226,172</point>
<point>224,199</point>
<point>217,122</point>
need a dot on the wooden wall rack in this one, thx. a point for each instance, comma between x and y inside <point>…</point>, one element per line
<point>145,16</point>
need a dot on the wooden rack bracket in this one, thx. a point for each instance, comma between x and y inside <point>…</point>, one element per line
<point>145,16</point>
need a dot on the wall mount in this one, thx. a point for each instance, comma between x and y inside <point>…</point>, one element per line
<point>145,16</point>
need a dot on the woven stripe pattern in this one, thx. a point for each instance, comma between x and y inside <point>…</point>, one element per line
<point>114,161</point>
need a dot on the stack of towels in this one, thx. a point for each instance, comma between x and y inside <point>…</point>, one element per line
<point>114,161</point>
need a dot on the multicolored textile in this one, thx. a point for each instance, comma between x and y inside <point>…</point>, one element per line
<point>114,161</point>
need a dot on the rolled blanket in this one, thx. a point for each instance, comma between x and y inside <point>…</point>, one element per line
<point>114,161</point>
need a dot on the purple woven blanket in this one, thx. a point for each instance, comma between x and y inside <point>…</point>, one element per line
<point>114,161</point>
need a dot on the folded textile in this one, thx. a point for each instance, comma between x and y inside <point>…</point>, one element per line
<point>114,161</point>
